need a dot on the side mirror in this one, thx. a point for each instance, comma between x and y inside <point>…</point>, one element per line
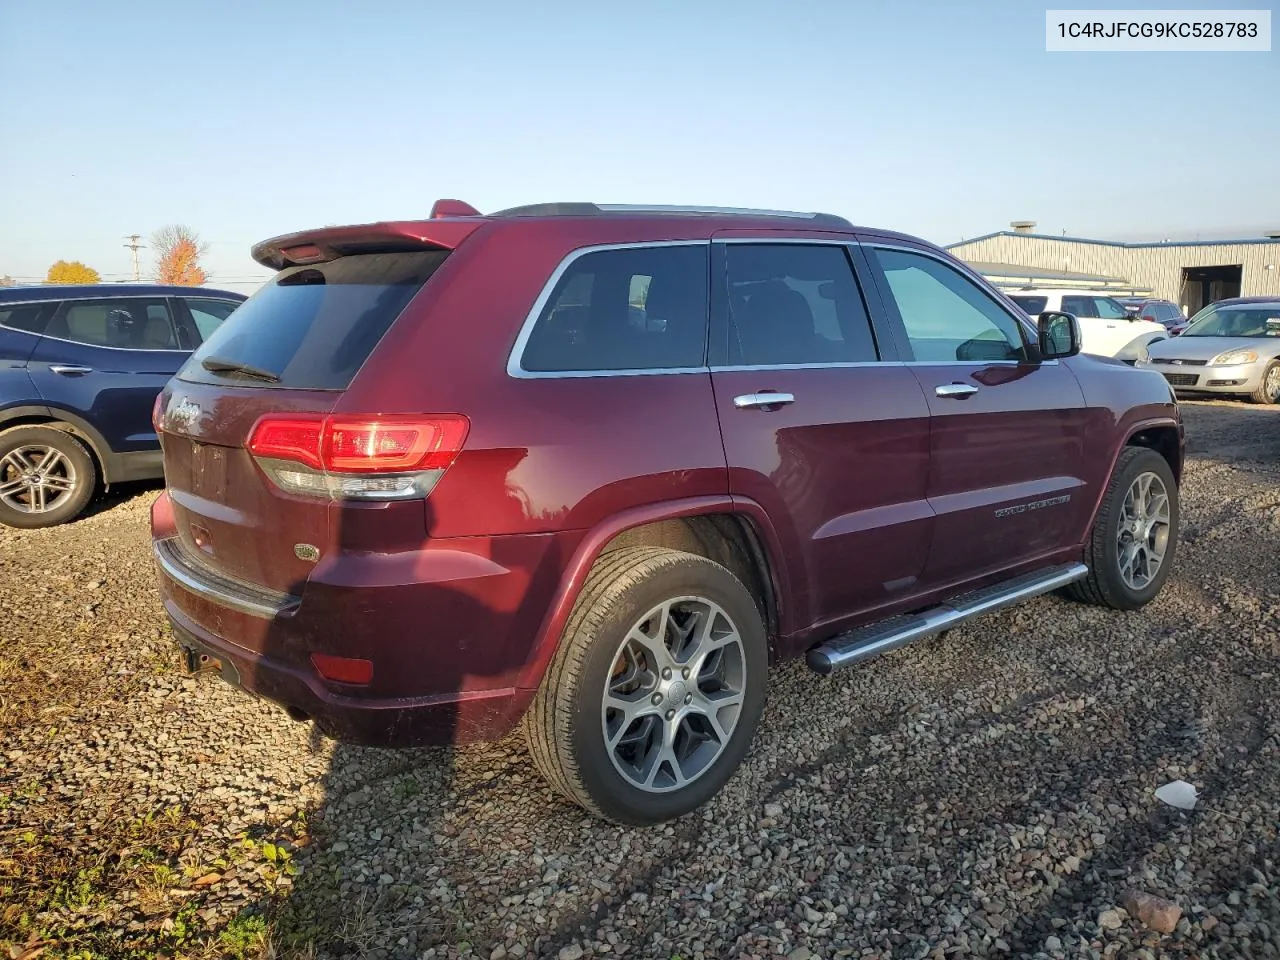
<point>1059,335</point>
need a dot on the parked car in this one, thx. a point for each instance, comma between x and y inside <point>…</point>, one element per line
<point>1107,328</point>
<point>80,367</point>
<point>1230,347</point>
<point>418,506</point>
<point>1164,312</point>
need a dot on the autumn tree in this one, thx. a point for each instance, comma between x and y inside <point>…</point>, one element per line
<point>72,271</point>
<point>178,252</point>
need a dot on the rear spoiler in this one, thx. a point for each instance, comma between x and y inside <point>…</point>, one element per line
<point>330,243</point>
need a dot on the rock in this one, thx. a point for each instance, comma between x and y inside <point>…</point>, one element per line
<point>773,810</point>
<point>1154,912</point>
<point>571,952</point>
<point>499,953</point>
<point>800,953</point>
<point>207,880</point>
<point>812,915</point>
<point>1110,920</point>
<point>1208,923</point>
<point>1052,944</point>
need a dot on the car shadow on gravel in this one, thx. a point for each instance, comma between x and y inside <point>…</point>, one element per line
<point>369,875</point>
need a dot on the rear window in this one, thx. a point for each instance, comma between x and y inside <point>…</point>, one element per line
<point>28,317</point>
<point>1031,305</point>
<point>312,327</point>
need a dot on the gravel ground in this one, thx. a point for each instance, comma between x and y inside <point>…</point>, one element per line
<point>989,793</point>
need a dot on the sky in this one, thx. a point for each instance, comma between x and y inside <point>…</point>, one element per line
<point>947,120</point>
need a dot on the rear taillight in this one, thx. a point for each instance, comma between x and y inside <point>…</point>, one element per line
<point>358,457</point>
<point>157,411</point>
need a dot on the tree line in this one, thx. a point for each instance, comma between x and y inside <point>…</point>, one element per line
<point>177,250</point>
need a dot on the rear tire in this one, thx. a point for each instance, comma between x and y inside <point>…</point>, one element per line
<point>655,692</point>
<point>1135,534</point>
<point>1269,390</point>
<point>47,477</point>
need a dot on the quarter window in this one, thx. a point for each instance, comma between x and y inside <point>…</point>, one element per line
<point>209,314</point>
<point>636,308</point>
<point>946,315</point>
<point>795,304</point>
<point>132,323</point>
<point>27,317</point>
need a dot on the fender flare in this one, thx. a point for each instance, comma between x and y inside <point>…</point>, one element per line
<point>592,544</point>
<point>1130,433</point>
<point>80,428</point>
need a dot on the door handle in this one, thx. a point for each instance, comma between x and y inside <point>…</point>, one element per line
<point>751,401</point>
<point>956,391</point>
<point>69,369</point>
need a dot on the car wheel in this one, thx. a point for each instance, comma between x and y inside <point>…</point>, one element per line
<point>1269,391</point>
<point>46,477</point>
<point>654,694</point>
<point>1135,534</point>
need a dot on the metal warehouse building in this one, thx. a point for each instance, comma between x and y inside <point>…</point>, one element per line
<point>1192,274</point>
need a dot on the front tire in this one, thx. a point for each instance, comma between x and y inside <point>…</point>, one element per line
<point>1135,534</point>
<point>46,477</point>
<point>655,692</point>
<point>1269,390</point>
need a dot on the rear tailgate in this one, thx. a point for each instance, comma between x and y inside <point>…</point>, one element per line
<point>292,348</point>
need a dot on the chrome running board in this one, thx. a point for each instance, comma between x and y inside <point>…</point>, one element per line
<point>877,638</point>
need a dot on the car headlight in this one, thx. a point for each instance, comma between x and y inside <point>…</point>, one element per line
<point>1232,357</point>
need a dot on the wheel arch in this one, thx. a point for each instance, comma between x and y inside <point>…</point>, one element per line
<point>56,418</point>
<point>715,527</point>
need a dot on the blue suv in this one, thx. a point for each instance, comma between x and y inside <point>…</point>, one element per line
<point>80,369</point>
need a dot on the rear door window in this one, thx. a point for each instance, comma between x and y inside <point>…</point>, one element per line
<point>312,327</point>
<point>132,323</point>
<point>1031,305</point>
<point>1079,306</point>
<point>635,308</point>
<point>795,304</point>
<point>1109,309</point>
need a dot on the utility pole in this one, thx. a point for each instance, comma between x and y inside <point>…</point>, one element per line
<point>134,246</point>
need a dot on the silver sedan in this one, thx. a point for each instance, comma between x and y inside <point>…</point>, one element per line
<point>1231,347</point>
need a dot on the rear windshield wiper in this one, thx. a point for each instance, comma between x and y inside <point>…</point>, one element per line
<point>219,365</point>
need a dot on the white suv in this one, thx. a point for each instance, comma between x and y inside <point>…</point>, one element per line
<point>1106,328</point>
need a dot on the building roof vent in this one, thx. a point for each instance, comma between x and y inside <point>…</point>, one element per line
<point>1023,226</point>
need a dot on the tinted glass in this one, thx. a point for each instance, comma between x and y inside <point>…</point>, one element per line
<point>642,308</point>
<point>790,303</point>
<point>946,315</point>
<point>133,323</point>
<point>209,314</point>
<point>313,326</point>
<point>1109,309</point>
<point>29,317</point>
<point>1078,305</point>
<point>1032,305</point>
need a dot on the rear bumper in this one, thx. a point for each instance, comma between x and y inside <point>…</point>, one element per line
<point>449,628</point>
<point>1236,378</point>
<point>404,722</point>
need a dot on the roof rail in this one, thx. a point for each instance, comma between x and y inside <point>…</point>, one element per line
<point>602,209</point>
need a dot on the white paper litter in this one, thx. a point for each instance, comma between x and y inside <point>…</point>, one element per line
<point>1178,794</point>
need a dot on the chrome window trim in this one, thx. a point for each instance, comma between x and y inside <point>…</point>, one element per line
<point>807,241</point>
<point>515,359</point>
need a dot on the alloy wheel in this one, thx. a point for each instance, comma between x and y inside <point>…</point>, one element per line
<point>1143,535</point>
<point>674,695</point>
<point>36,478</point>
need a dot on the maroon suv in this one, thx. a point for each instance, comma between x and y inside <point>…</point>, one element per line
<point>599,468</point>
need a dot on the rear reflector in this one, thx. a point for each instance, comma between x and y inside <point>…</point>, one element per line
<point>157,411</point>
<point>343,669</point>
